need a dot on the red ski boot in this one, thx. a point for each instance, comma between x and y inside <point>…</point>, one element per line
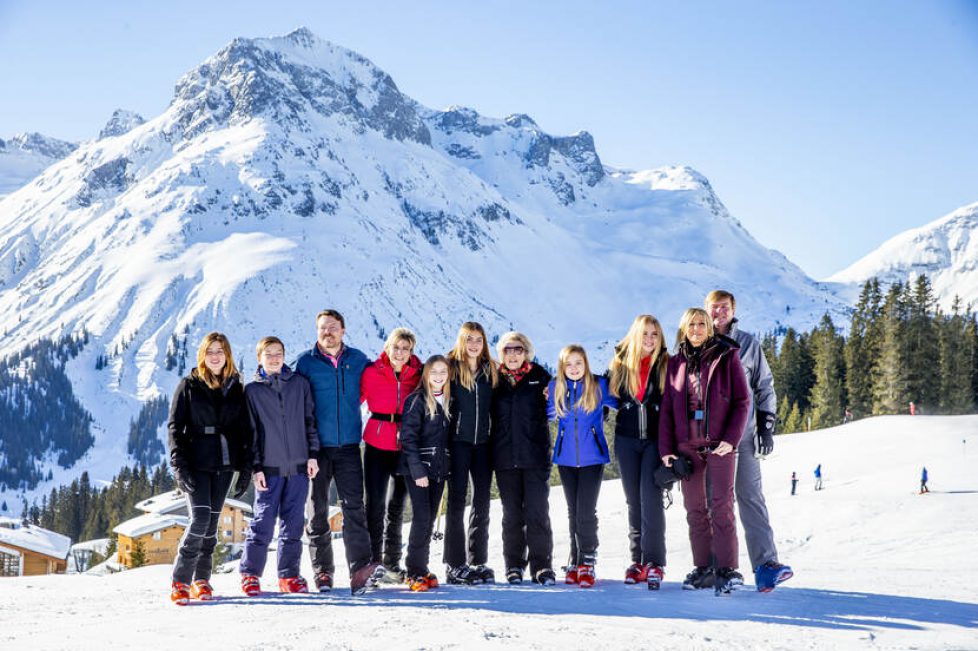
<point>180,593</point>
<point>293,584</point>
<point>201,589</point>
<point>250,585</point>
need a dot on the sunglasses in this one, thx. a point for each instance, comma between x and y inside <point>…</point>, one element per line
<point>515,350</point>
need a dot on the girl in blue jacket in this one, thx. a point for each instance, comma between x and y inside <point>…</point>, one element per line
<point>577,401</point>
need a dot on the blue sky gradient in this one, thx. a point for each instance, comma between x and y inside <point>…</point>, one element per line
<point>826,127</point>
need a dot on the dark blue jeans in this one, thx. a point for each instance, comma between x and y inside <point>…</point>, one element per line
<point>286,499</point>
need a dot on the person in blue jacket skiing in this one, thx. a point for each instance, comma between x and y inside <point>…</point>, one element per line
<point>577,400</point>
<point>923,481</point>
<point>818,477</point>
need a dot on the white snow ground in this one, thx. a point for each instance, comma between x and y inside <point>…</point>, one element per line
<point>877,567</point>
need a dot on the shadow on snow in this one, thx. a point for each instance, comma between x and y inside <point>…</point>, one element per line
<point>795,607</point>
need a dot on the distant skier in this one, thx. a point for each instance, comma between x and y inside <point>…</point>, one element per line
<point>794,481</point>
<point>848,417</point>
<point>923,481</point>
<point>913,409</point>
<point>818,477</point>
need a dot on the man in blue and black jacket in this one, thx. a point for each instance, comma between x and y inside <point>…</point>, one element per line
<point>333,370</point>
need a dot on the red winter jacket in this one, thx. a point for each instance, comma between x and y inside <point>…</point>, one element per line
<point>727,396</point>
<point>385,395</point>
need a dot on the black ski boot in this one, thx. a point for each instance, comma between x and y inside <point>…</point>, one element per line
<point>485,573</point>
<point>462,575</point>
<point>699,578</point>
<point>726,580</point>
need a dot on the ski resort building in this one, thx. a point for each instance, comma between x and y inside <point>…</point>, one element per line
<point>158,531</point>
<point>28,550</point>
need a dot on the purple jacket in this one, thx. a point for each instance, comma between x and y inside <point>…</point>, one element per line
<point>727,398</point>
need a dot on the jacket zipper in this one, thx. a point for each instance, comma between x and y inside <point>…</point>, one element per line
<point>475,432</point>
<point>577,439</point>
<point>397,406</point>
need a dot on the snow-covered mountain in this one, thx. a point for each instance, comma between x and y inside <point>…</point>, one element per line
<point>25,156</point>
<point>289,175</point>
<point>945,250</point>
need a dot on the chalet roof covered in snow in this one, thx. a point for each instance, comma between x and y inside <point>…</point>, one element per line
<point>34,538</point>
<point>149,523</point>
<point>175,502</point>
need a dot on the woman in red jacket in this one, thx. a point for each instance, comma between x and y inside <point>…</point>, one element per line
<point>385,385</point>
<point>704,411</point>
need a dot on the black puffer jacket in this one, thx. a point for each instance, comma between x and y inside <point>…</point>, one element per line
<point>471,410</point>
<point>208,428</point>
<point>424,441</point>
<point>520,434</point>
<point>639,419</point>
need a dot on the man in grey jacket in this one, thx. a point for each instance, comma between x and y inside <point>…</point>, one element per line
<point>756,443</point>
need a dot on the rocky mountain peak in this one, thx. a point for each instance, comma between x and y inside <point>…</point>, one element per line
<point>122,121</point>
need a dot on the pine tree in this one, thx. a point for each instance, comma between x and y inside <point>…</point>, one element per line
<point>956,354</point>
<point>862,349</point>
<point>922,347</point>
<point>890,391</point>
<point>794,372</point>
<point>795,421</point>
<point>138,556</point>
<point>828,394</point>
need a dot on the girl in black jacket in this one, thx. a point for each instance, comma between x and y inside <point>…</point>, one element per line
<point>424,462</point>
<point>474,376</point>
<point>209,439</point>
<point>637,376</point>
<point>520,440</point>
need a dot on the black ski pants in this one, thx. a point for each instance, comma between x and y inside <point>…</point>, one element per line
<point>196,553</point>
<point>385,493</point>
<point>424,509</point>
<point>638,460</point>
<point>527,536</point>
<point>342,465</point>
<point>581,488</point>
<point>473,461</point>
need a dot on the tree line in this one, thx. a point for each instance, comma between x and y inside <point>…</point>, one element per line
<point>902,348</point>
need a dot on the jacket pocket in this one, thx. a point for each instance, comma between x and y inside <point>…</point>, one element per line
<point>597,441</point>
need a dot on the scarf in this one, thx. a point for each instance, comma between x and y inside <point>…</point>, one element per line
<point>514,376</point>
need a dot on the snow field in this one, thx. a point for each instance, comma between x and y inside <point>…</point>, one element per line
<point>877,566</point>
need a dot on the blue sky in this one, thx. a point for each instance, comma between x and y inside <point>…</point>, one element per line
<point>826,127</point>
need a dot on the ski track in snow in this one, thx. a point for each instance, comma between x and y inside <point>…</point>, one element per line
<point>876,567</point>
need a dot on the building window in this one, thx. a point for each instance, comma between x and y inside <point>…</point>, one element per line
<point>158,535</point>
<point>227,519</point>
<point>9,564</point>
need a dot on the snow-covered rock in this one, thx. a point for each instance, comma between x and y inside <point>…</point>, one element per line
<point>945,250</point>
<point>122,121</point>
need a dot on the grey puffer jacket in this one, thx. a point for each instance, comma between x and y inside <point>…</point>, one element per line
<point>283,422</point>
<point>759,377</point>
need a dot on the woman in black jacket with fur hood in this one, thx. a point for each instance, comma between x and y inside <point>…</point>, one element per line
<point>209,438</point>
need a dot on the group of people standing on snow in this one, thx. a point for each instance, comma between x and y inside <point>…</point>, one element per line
<point>703,415</point>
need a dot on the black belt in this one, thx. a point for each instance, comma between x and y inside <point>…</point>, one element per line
<point>386,418</point>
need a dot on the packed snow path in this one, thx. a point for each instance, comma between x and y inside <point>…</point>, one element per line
<point>877,566</point>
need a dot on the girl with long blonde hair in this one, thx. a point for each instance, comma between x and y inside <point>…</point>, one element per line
<point>577,401</point>
<point>424,463</point>
<point>474,377</point>
<point>638,373</point>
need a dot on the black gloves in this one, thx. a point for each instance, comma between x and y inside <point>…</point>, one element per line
<point>241,486</point>
<point>766,422</point>
<point>184,481</point>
